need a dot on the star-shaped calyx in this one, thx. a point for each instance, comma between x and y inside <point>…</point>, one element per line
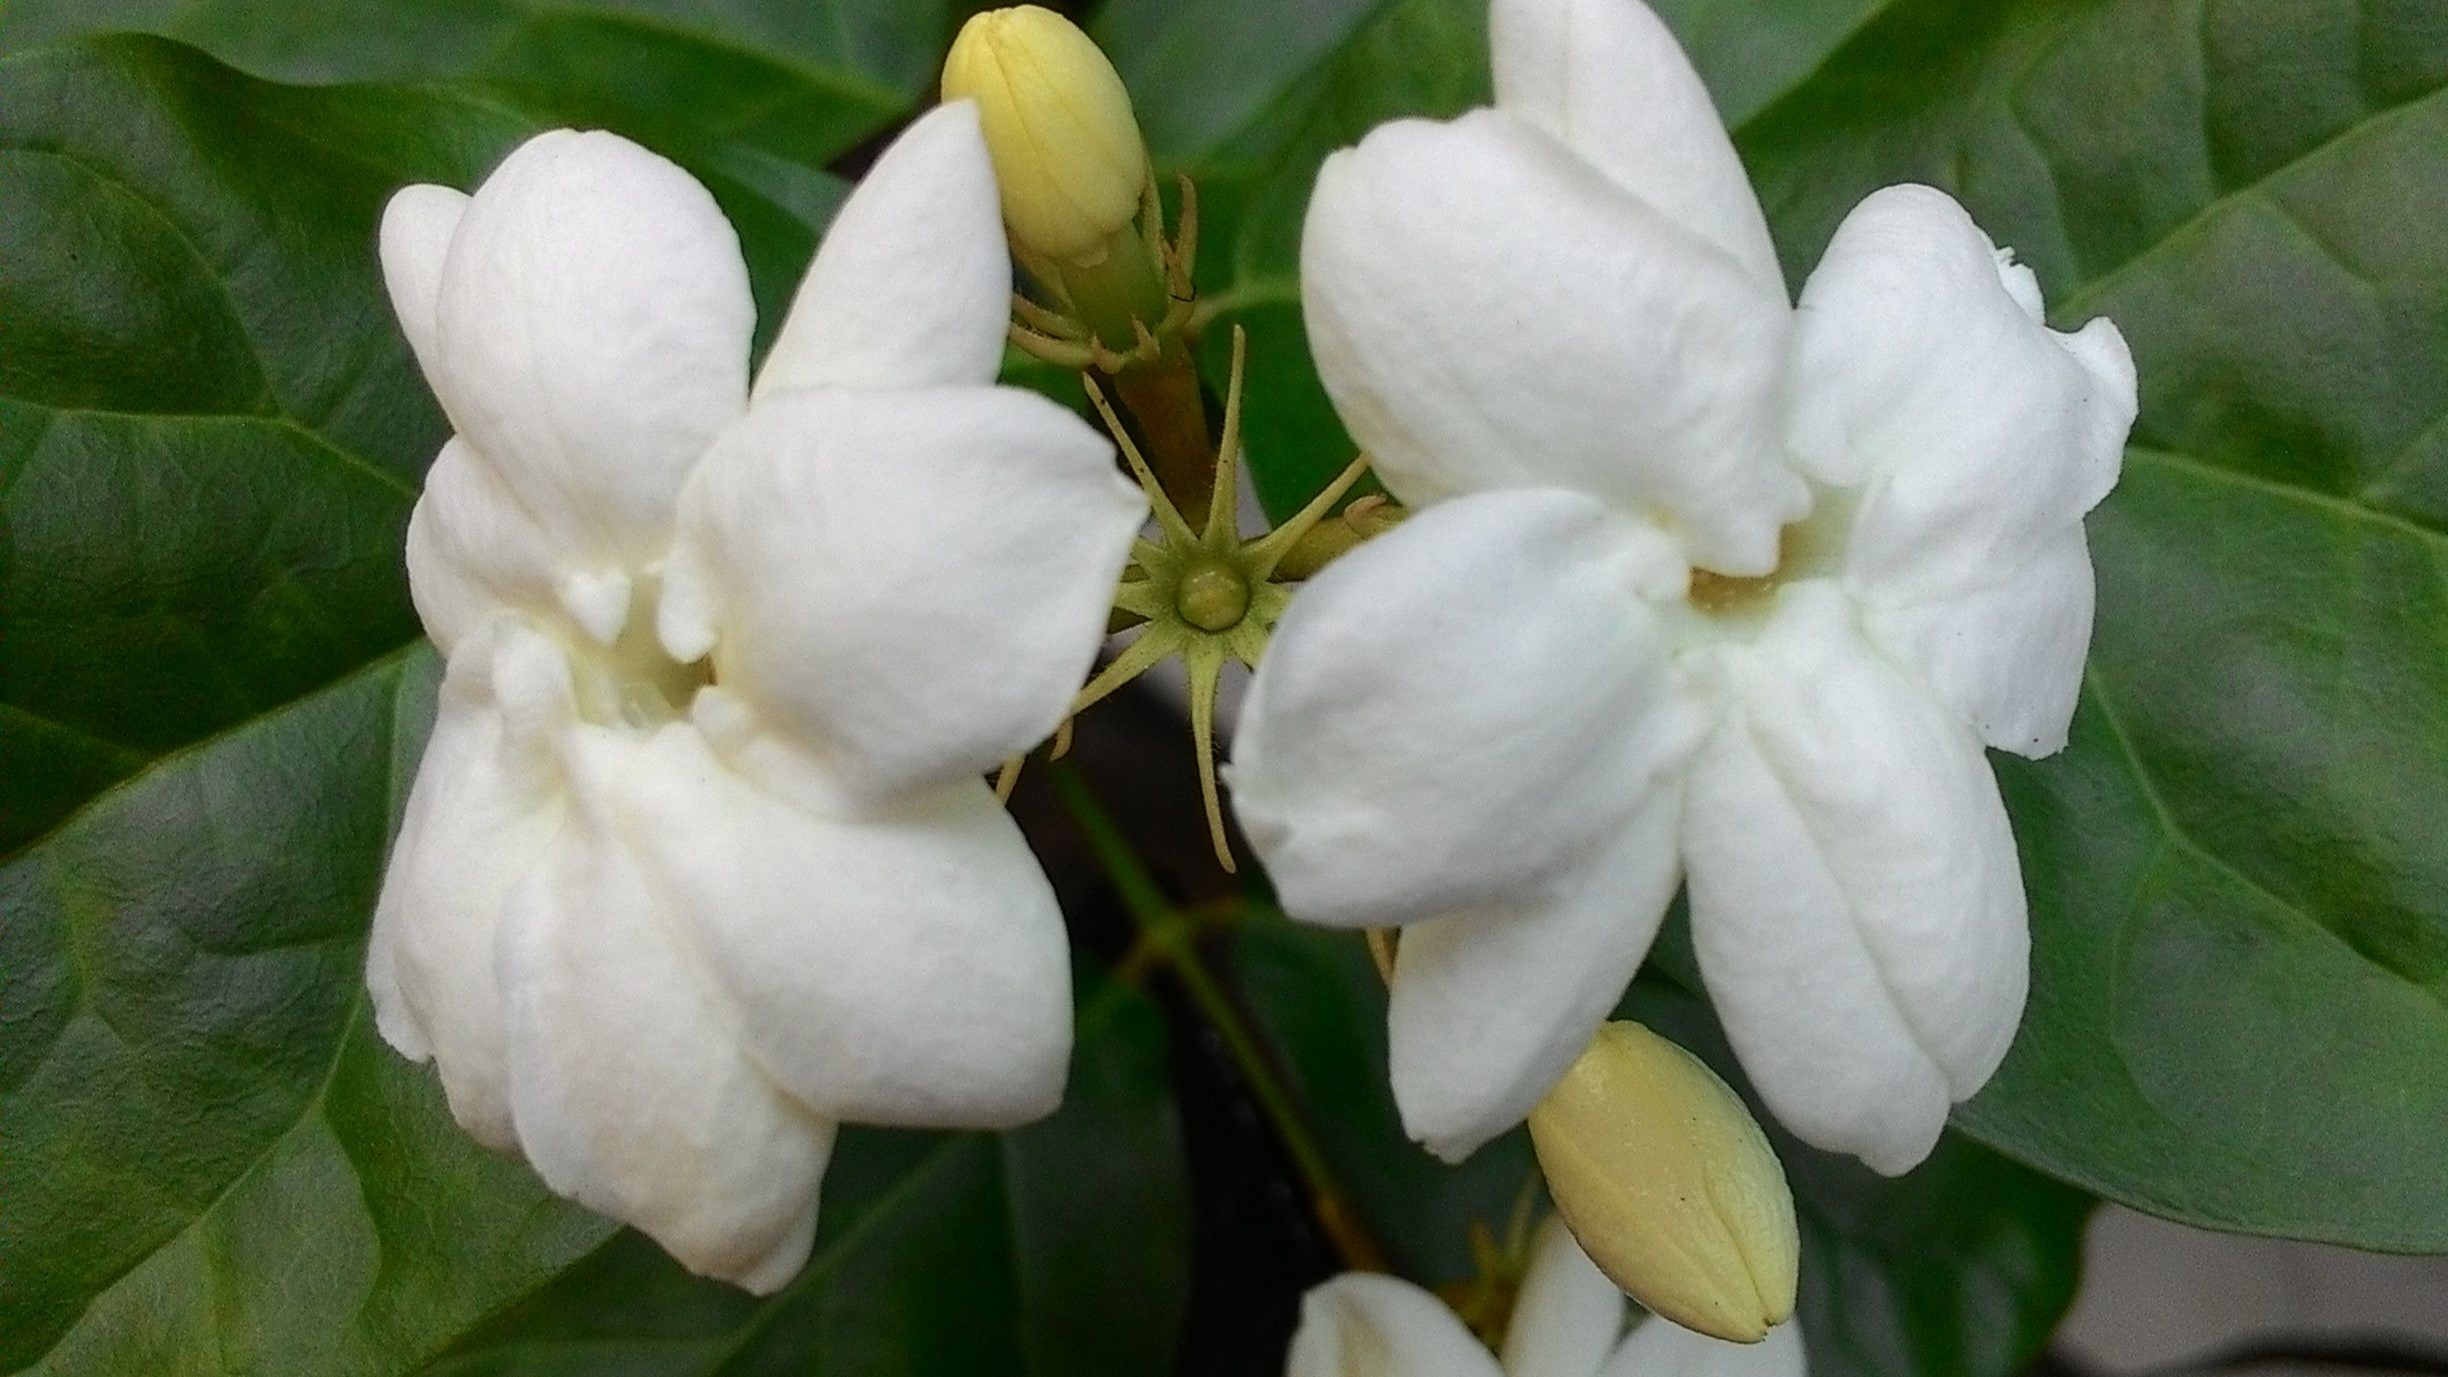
<point>1207,594</point>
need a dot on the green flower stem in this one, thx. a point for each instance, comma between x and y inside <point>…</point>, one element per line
<point>1162,395</point>
<point>1172,934</point>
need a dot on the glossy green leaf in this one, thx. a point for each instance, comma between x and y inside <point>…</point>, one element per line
<point>1960,1270</point>
<point>797,81</point>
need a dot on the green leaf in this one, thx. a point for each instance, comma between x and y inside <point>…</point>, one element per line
<point>798,81</point>
<point>213,1161</point>
<point>1959,1270</point>
<point>951,1255</point>
<point>210,430</point>
<point>2239,890</point>
<point>1319,1001</point>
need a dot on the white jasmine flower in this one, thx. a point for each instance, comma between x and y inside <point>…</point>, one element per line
<point>699,862</point>
<point>1568,1321</point>
<point>1704,586</point>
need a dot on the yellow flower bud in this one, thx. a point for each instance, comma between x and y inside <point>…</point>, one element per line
<point>1058,123</point>
<point>1667,1181</point>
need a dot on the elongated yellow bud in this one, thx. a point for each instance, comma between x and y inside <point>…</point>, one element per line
<point>1667,1181</point>
<point>1058,124</point>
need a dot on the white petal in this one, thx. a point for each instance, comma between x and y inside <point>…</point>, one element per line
<point>1662,1348</point>
<point>1568,1316</point>
<point>913,283</point>
<point>486,804</point>
<point>912,583</point>
<point>1490,312</point>
<point>417,227</point>
<point>1363,1324</point>
<point>1490,1008</point>
<point>1975,433</point>
<point>1458,713</point>
<point>1607,79</point>
<point>474,552</point>
<point>593,338</point>
<point>2006,658</point>
<point>632,1093</point>
<point>907,969</point>
<point>1856,904</point>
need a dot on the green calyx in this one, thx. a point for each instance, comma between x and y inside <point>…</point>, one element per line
<point>1204,593</point>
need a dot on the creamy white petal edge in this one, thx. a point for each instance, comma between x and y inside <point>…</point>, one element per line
<point>1571,291</point>
<point>1568,1321</point>
<point>697,864</point>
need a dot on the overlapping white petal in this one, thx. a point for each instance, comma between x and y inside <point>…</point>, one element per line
<point>1977,439</point>
<point>1457,712</point>
<point>1856,904</point>
<point>905,291</point>
<point>633,1093</point>
<point>592,338</point>
<point>1362,1324</point>
<point>1568,1321</point>
<point>1607,80</point>
<point>1472,343</point>
<point>912,582</point>
<point>1574,291</point>
<point>908,968</point>
<point>696,864</point>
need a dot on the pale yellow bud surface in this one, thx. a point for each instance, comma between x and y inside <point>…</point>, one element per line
<point>1058,124</point>
<point>1668,1183</point>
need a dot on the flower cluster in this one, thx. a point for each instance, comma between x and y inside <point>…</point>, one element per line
<point>699,861</point>
<point>1702,586</point>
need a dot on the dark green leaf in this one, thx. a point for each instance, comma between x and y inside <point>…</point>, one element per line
<point>212,1160</point>
<point>795,80</point>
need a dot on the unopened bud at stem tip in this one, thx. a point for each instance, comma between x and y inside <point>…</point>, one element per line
<point>1670,1186</point>
<point>1058,124</point>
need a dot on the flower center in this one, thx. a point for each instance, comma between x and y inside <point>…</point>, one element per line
<point>634,682</point>
<point>1810,548</point>
<point>1213,597</point>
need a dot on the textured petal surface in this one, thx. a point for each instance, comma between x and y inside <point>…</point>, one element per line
<point>1607,80</point>
<point>1489,1008</point>
<point>1490,312</point>
<point>1567,1316</point>
<point>911,583</point>
<point>486,805</point>
<point>1856,904</point>
<point>1363,1324</point>
<point>418,225</point>
<point>632,1093</point>
<point>913,283</point>
<point>1661,1348</point>
<point>2006,657</point>
<point>474,552</point>
<point>1458,713</point>
<point>1976,436</point>
<point>592,337</point>
<point>910,969</point>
